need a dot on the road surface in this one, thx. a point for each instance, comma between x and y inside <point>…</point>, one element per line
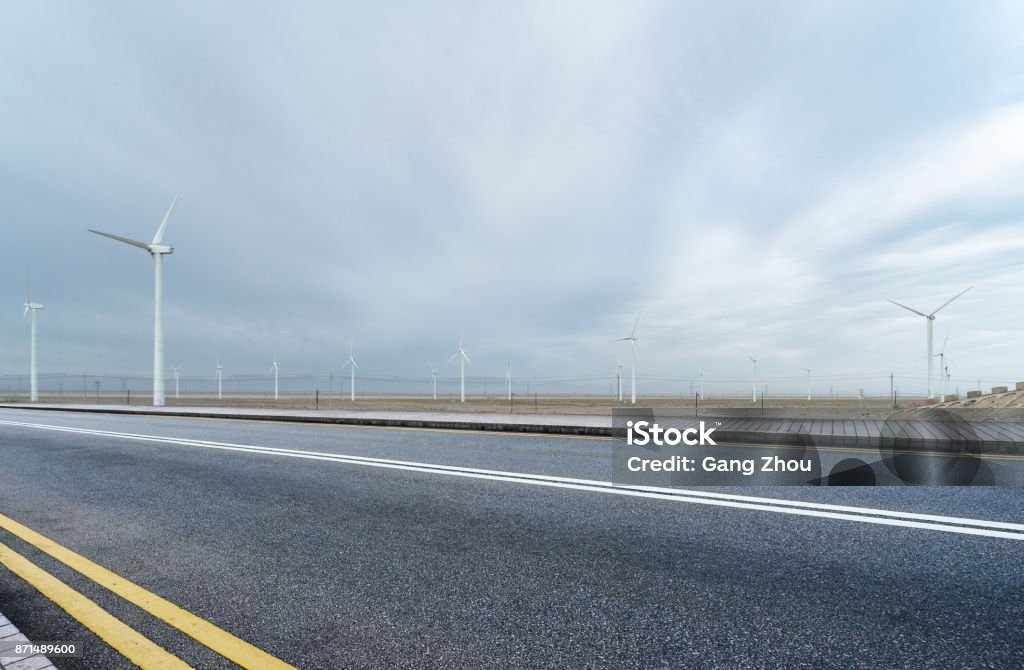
<point>391,548</point>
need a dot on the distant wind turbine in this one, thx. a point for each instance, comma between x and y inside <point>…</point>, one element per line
<point>351,364</point>
<point>753,379</point>
<point>943,369</point>
<point>618,379</point>
<point>33,373</point>
<point>808,371</point>
<point>433,379</point>
<point>508,379</point>
<point>702,373</point>
<point>632,339</point>
<point>931,321</point>
<point>157,251</point>
<point>176,368</point>
<point>463,357</point>
<point>273,368</point>
<point>220,381</point>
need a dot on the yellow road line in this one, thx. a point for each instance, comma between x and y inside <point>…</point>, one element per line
<point>219,640</point>
<point>139,650</point>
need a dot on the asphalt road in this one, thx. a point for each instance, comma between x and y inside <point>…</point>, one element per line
<point>328,564</point>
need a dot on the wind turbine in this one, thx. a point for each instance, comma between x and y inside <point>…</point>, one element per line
<point>463,357</point>
<point>508,379</point>
<point>176,368</point>
<point>808,371</point>
<point>33,376</point>
<point>931,321</point>
<point>632,339</point>
<point>702,373</point>
<point>618,379</point>
<point>156,251</point>
<point>753,379</point>
<point>942,368</point>
<point>351,364</point>
<point>220,380</point>
<point>273,368</point>
<point>433,379</point>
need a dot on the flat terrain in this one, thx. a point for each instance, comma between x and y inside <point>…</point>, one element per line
<point>823,407</point>
<point>353,563</point>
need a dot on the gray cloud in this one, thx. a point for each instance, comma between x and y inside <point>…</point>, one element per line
<point>757,176</point>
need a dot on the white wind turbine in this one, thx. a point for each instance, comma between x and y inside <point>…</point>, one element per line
<point>618,379</point>
<point>156,251</point>
<point>702,373</point>
<point>176,368</point>
<point>463,357</point>
<point>931,321</point>
<point>753,378</point>
<point>508,379</point>
<point>220,381</point>
<point>943,369</point>
<point>433,379</point>
<point>632,339</point>
<point>808,371</point>
<point>273,368</point>
<point>351,364</point>
<point>33,373</point>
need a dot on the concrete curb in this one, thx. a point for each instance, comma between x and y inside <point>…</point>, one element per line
<point>446,424</point>
<point>10,633</point>
<point>890,435</point>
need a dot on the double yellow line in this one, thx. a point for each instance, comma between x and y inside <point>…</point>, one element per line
<point>128,642</point>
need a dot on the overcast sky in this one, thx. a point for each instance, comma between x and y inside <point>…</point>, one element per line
<point>757,176</point>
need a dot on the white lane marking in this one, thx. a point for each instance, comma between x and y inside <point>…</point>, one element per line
<point>947,524</point>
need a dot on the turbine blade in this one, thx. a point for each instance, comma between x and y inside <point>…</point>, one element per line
<point>344,365</point>
<point>911,309</point>
<point>466,356</point>
<point>943,349</point>
<point>25,313</point>
<point>636,323</point>
<point>134,243</point>
<point>952,299</point>
<point>453,357</point>
<point>163,224</point>
<point>355,365</point>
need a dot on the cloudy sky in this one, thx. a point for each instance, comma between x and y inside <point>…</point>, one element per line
<point>757,176</point>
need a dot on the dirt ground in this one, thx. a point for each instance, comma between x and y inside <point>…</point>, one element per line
<point>839,407</point>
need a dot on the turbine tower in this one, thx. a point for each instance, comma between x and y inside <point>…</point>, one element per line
<point>632,339</point>
<point>508,379</point>
<point>702,373</point>
<point>433,379</point>
<point>753,379</point>
<point>931,322</point>
<point>351,364</point>
<point>463,357</point>
<point>273,368</point>
<point>176,368</point>
<point>157,251</point>
<point>808,371</point>
<point>618,379</point>
<point>33,374</point>
<point>220,380</point>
